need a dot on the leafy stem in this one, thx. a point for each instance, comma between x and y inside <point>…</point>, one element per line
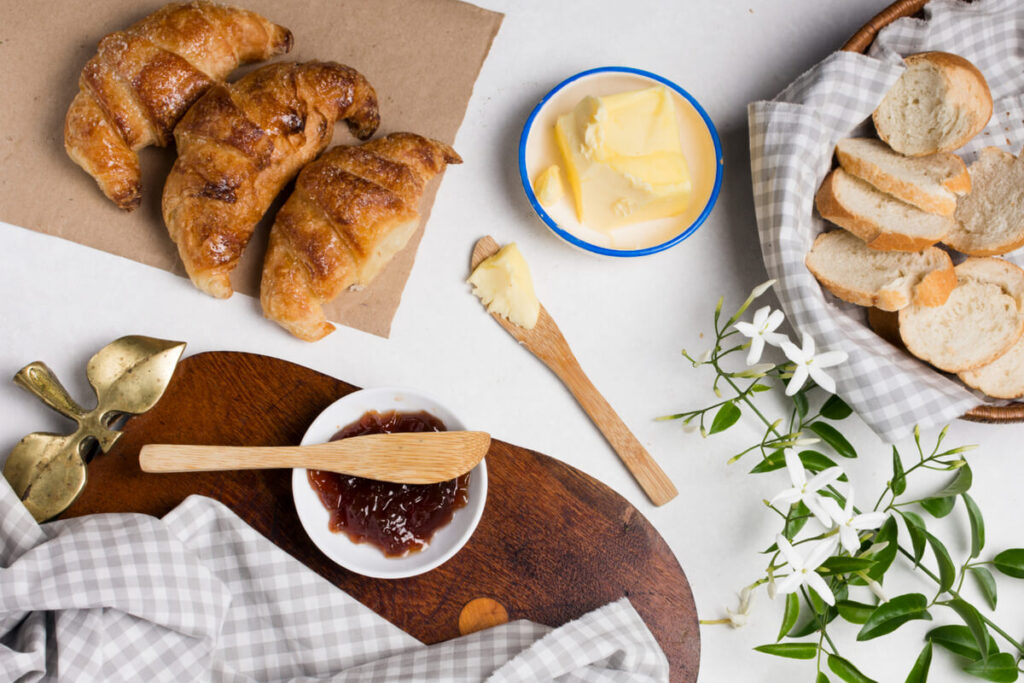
<point>828,548</point>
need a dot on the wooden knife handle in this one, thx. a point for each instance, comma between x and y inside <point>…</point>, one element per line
<point>652,479</point>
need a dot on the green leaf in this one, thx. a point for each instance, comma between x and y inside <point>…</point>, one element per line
<point>977,525</point>
<point>822,678</point>
<point>813,461</point>
<point>884,557</point>
<point>833,438</point>
<point>791,650</point>
<point>835,408</point>
<point>1010,562</point>
<point>889,616</point>
<point>916,528</point>
<point>725,417</point>
<point>758,388</point>
<point>847,671</point>
<point>1000,668</point>
<point>960,484</point>
<point>800,401</point>
<point>972,618</point>
<point>947,570</point>
<point>813,623</point>
<point>817,603</point>
<point>798,516</point>
<point>775,460</point>
<point>790,614</point>
<point>845,565</point>
<point>854,612</point>
<point>938,507</point>
<point>987,584</point>
<point>959,640</point>
<point>899,477</point>
<point>919,673</point>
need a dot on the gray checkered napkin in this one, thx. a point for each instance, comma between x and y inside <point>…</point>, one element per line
<point>200,596</point>
<point>791,143</point>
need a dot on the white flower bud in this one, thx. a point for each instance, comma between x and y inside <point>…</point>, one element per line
<point>761,289</point>
<point>876,588</point>
<point>756,370</point>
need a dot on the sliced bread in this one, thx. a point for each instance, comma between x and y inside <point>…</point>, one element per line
<point>881,220</point>
<point>939,103</point>
<point>889,280</point>
<point>990,220</point>
<point>1003,377</point>
<point>931,183</point>
<point>981,320</point>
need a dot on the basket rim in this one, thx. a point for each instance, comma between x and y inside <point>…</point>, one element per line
<point>860,42</point>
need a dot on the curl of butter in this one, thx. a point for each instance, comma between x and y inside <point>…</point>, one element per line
<point>549,187</point>
<point>503,284</point>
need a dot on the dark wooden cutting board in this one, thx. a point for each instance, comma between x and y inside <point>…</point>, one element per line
<point>552,545</point>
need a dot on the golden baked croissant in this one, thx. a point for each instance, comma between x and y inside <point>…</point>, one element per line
<point>142,79</point>
<point>240,144</point>
<point>352,210</point>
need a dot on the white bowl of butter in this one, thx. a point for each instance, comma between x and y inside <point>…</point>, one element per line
<point>620,162</point>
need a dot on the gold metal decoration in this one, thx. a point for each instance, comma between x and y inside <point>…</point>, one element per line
<point>129,376</point>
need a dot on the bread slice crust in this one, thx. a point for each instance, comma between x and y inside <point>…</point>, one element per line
<point>964,98</point>
<point>925,278</point>
<point>832,202</point>
<point>930,183</point>
<point>982,319</point>
<point>1003,377</point>
<point>990,220</point>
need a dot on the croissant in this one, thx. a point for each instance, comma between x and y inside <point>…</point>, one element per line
<point>238,147</point>
<point>351,211</point>
<point>142,79</point>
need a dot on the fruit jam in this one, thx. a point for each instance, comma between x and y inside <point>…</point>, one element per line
<point>397,518</point>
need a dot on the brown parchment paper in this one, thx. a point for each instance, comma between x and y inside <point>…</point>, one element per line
<point>421,56</point>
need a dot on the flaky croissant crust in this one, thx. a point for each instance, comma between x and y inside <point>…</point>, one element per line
<point>351,211</point>
<point>238,147</point>
<point>144,78</point>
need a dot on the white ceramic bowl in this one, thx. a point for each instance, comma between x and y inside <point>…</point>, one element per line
<point>701,147</point>
<point>365,558</point>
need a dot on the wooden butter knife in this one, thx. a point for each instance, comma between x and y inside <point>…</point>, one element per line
<point>405,458</point>
<point>546,342</point>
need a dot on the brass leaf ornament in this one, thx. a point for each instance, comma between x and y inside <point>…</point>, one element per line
<point>129,375</point>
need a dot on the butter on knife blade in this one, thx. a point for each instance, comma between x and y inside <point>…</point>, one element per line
<point>503,284</point>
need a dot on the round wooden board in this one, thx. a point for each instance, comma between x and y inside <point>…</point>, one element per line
<point>552,545</point>
<point>860,42</point>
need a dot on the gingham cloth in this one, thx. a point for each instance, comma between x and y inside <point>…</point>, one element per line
<point>792,139</point>
<point>200,596</point>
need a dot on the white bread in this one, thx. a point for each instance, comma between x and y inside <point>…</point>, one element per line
<point>881,220</point>
<point>931,183</point>
<point>981,320</point>
<point>939,103</point>
<point>990,220</point>
<point>1003,377</point>
<point>889,280</point>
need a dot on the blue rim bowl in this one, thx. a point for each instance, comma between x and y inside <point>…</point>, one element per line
<point>593,248</point>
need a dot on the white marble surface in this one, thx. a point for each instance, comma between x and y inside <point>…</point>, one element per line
<point>627,320</point>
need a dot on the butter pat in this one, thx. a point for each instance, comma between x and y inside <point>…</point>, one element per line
<point>623,158</point>
<point>504,285</point>
<point>548,187</point>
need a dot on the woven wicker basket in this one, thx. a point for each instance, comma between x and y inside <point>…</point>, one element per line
<point>860,42</point>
